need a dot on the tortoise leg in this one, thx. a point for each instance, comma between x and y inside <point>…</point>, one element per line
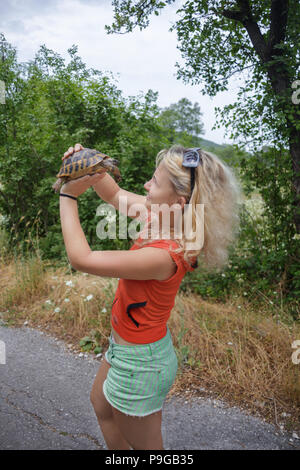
<point>57,185</point>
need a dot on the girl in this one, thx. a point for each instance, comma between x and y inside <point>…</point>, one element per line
<point>140,364</point>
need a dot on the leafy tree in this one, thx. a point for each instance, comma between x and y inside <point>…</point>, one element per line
<point>49,106</point>
<point>182,122</point>
<point>221,38</point>
<point>259,42</point>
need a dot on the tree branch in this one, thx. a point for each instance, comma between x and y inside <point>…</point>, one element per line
<point>279,16</point>
<point>233,73</point>
<point>265,49</point>
<point>244,15</point>
<point>233,15</point>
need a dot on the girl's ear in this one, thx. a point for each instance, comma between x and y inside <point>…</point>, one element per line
<point>182,201</point>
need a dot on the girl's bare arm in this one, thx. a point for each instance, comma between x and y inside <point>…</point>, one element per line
<point>142,264</point>
<point>126,202</point>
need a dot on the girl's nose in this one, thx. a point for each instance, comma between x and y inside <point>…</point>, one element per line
<point>147,186</point>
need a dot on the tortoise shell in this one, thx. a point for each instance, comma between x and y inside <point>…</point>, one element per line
<point>86,162</point>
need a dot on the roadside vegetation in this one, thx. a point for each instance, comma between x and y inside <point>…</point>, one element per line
<point>233,329</point>
<point>238,351</point>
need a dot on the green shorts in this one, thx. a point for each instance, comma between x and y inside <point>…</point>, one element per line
<point>140,376</point>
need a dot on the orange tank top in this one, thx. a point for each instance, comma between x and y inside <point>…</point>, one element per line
<point>141,308</point>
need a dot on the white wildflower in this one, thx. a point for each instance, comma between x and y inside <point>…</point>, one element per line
<point>49,302</point>
<point>223,275</point>
<point>67,300</point>
<point>69,283</point>
<point>230,344</point>
<point>57,310</point>
<point>104,310</point>
<point>89,297</point>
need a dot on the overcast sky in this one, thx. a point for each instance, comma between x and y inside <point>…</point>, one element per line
<point>139,61</point>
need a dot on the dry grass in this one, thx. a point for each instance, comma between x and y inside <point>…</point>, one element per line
<point>239,355</point>
<point>33,292</point>
<point>226,351</point>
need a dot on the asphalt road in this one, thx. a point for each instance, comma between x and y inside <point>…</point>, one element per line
<point>44,404</point>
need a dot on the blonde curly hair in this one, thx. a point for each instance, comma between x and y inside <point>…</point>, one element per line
<point>216,189</point>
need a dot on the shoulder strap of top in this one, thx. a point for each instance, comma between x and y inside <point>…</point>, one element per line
<point>166,244</point>
<point>171,245</point>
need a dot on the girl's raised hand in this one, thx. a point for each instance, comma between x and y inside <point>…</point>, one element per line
<point>80,185</point>
<point>71,150</point>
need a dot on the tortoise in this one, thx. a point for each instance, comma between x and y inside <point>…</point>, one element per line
<point>85,162</point>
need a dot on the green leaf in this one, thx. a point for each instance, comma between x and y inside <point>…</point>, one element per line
<point>85,341</point>
<point>98,350</point>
